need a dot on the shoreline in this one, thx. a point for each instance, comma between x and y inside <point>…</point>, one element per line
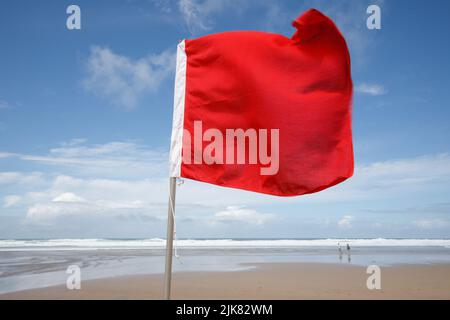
<point>265,281</point>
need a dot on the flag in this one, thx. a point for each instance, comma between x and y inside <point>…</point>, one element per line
<point>263,112</point>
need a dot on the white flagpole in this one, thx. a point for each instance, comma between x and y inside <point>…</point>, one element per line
<point>175,158</point>
<point>169,241</point>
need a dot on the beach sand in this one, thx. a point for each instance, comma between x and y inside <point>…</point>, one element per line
<point>266,281</point>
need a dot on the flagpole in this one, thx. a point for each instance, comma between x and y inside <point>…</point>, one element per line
<point>169,241</point>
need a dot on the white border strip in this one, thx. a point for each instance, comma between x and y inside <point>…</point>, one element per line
<point>178,112</point>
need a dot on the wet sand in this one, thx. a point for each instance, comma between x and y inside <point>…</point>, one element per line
<point>266,281</point>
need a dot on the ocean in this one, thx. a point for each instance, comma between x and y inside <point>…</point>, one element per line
<point>27,264</point>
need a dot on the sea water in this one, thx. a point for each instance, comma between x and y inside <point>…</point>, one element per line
<point>26,264</point>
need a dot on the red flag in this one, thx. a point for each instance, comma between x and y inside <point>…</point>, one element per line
<point>262,112</point>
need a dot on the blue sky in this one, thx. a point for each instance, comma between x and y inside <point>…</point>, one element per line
<point>85,120</point>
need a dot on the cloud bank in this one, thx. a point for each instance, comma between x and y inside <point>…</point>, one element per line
<point>123,81</point>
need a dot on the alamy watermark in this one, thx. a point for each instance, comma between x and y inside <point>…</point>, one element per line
<point>373,22</point>
<point>73,21</point>
<point>73,281</point>
<point>374,280</point>
<point>234,146</point>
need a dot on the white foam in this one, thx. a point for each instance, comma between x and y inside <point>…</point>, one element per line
<point>157,243</point>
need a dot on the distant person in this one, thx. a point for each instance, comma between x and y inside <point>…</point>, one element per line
<point>348,254</point>
<point>340,251</point>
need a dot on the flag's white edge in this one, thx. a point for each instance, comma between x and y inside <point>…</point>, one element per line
<point>178,112</point>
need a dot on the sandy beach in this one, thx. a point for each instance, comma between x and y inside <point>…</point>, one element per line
<point>266,281</point>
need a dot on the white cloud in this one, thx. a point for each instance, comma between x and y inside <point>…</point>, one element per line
<point>242,214</point>
<point>163,5</point>
<point>407,172</point>
<point>115,149</point>
<point>200,15</point>
<point>124,81</point>
<point>11,200</point>
<point>68,197</point>
<point>127,159</point>
<point>345,222</point>
<point>74,142</point>
<point>431,224</point>
<point>5,105</point>
<point>8,105</point>
<point>190,11</point>
<point>49,211</point>
<point>20,178</point>
<point>371,89</point>
<point>71,204</point>
<point>197,13</point>
<point>4,155</point>
<point>392,178</point>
